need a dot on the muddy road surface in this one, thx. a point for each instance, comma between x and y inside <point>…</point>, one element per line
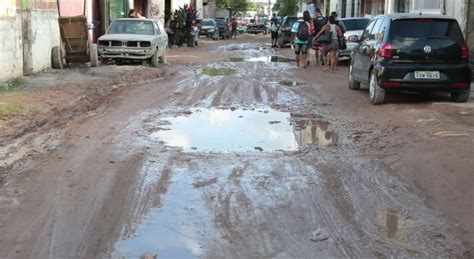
<point>236,153</point>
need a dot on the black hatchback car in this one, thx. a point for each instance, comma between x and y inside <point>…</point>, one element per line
<point>418,52</point>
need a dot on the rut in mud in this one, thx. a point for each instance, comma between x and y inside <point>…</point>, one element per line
<point>216,166</point>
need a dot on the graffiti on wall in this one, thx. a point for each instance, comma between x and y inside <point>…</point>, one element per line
<point>154,11</point>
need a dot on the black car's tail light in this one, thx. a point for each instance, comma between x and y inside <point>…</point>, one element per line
<point>464,50</point>
<point>458,84</point>
<point>385,50</point>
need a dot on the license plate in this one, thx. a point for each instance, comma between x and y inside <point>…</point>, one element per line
<point>427,74</point>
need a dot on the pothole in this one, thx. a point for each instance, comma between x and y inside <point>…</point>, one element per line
<point>216,130</point>
<point>277,59</point>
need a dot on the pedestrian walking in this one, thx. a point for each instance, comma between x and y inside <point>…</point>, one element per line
<point>332,45</point>
<point>274,30</point>
<point>300,37</point>
<point>307,18</point>
<point>320,22</point>
<point>233,25</point>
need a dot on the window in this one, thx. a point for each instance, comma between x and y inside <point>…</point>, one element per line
<point>420,5</point>
<point>365,34</point>
<point>355,24</point>
<point>376,28</point>
<point>137,26</point>
<point>411,29</point>
<point>157,29</point>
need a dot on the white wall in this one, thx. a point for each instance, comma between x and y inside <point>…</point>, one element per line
<point>458,10</point>
<point>11,52</point>
<point>45,30</point>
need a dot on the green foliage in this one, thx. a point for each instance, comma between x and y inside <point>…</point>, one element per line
<point>12,85</point>
<point>182,22</point>
<point>235,5</point>
<point>210,71</point>
<point>235,59</point>
<point>17,108</point>
<point>288,7</point>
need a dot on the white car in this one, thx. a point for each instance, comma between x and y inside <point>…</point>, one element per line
<point>354,26</point>
<point>134,39</point>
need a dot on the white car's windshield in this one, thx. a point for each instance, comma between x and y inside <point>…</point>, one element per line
<point>131,27</point>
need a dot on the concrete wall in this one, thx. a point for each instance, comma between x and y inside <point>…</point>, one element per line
<point>11,54</point>
<point>41,34</point>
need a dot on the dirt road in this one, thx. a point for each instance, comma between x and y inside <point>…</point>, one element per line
<point>235,153</point>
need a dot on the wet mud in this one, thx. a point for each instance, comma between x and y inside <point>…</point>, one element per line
<point>234,165</point>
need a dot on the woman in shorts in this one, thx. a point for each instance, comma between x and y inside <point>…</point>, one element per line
<point>331,48</point>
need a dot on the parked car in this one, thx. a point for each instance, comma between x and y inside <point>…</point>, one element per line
<point>224,30</point>
<point>420,52</point>
<point>256,28</point>
<point>209,29</point>
<point>284,31</point>
<point>354,26</point>
<point>128,40</point>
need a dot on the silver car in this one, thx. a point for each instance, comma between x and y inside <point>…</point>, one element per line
<point>354,26</point>
<point>134,40</point>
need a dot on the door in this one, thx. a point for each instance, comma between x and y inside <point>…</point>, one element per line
<point>117,9</point>
<point>358,51</point>
<point>162,37</point>
<point>367,50</point>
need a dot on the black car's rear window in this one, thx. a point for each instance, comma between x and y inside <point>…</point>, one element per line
<point>355,24</point>
<point>290,21</point>
<point>208,22</point>
<point>425,29</point>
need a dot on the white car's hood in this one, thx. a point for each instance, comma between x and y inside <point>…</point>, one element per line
<point>127,37</point>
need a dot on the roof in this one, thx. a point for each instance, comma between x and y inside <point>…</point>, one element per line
<point>397,16</point>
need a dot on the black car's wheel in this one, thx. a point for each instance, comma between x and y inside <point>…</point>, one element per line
<point>461,96</point>
<point>376,93</point>
<point>353,84</point>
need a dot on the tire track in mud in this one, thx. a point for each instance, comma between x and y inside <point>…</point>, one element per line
<point>318,202</point>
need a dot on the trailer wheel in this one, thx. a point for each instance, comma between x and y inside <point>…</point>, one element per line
<point>56,58</point>
<point>94,55</point>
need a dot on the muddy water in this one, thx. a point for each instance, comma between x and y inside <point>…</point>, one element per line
<point>173,230</point>
<point>243,130</point>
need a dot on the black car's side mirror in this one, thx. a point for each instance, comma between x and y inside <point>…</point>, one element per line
<point>353,38</point>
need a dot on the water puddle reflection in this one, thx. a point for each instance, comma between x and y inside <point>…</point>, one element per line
<point>171,231</point>
<point>243,130</point>
<point>310,132</point>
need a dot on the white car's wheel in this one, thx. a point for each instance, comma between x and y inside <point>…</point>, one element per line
<point>376,93</point>
<point>155,59</point>
<point>163,59</point>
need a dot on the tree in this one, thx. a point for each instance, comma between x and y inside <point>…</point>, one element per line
<point>235,5</point>
<point>288,7</point>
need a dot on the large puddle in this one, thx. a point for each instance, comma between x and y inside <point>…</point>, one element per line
<point>216,130</point>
